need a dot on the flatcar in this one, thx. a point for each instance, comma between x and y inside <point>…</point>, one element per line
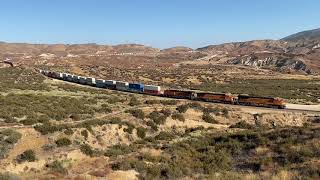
<point>216,97</point>
<point>270,102</point>
<point>136,87</point>
<point>180,94</point>
<point>152,90</point>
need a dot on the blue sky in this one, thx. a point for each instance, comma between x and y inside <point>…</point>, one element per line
<point>159,23</point>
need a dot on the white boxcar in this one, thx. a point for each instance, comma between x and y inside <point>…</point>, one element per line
<point>122,86</point>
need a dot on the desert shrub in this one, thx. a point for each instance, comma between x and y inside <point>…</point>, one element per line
<point>141,132</point>
<point>152,125</point>
<point>8,138</point>
<point>209,119</point>
<point>134,101</point>
<point>57,166</point>
<point>163,135</point>
<point>104,109</point>
<point>87,150</point>
<point>137,113</point>
<point>119,149</point>
<point>75,117</point>
<point>28,155</point>
<point>152,101</point>
<point>166,112</point>
<point>178,116</point>
<point>130,128</point>
<point>114,99</point>
<point>28,122</point>
<point>68,131</point>
<point>169,102</point>
<point>242,125</point>
<point>8,176</point>
<point>157,117</point>
<point>85,133</point>
<point>63,142</point>
<point>182,108</point>
<point>195,105</point>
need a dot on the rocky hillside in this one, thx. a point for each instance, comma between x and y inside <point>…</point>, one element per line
<point>299,52</point>
<point>304,37</point>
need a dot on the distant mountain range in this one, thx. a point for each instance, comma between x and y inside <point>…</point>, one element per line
<point>297,52</point>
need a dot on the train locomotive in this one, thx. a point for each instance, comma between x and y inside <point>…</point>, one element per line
<point>226,98</point>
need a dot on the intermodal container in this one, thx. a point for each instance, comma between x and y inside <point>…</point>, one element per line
<point>110,84</point>
<point>122,86</point>
<point>69,77</point>
<point>136,87</point>
<point>75,79</point>
<point>91,81</point>
<point>82,80</point>
<point>153,90</point>
<point>100,83</point>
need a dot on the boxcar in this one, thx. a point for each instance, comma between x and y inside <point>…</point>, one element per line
<point>216,97</point>
<point>270,102</point>
<point>122,86</point>
<point>136,87</point>
<point>91,81</point>
<point>100,83</point>
<point>151,89</point>
<point>110,84</point>
<point>181,94</point>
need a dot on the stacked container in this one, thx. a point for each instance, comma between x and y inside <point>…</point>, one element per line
<point>110,84</point>
<point>136,87</point>
<point>122,86</point>
<point>91,81</point>
<point>82,80</point>
<point>100,83</point>
<point>153,90</point>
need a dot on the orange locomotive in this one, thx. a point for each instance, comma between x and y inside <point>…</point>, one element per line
<point>270,102</point>
<point>216,97</point>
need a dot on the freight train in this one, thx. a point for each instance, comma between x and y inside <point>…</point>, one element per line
<point>226,98</point>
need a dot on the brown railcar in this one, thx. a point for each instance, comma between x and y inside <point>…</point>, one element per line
<point>181,94</point>
<point>270,102</point>
<point>216,97</point>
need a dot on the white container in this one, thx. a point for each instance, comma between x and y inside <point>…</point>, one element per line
<point>152,88</point>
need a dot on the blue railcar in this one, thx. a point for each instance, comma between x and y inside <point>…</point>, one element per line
<point>136,87</point>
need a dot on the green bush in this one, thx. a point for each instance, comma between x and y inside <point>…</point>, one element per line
<point>137,113</point>
<point>141,132</point>
<point>85,133</point>
<point>209,119</point>
<point>134,101</point>
<point>87,150</point>
<point>164,136</point>
<point>242,125</point>
<point>63,142</point>
<point>28,155</point>
<point>166,112</point>
<point>57,166</point>
<point>152,125</point>
<point>119,149</point>
<point>183,108</point>
<point>178,116</point>
<point>157,117</point>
